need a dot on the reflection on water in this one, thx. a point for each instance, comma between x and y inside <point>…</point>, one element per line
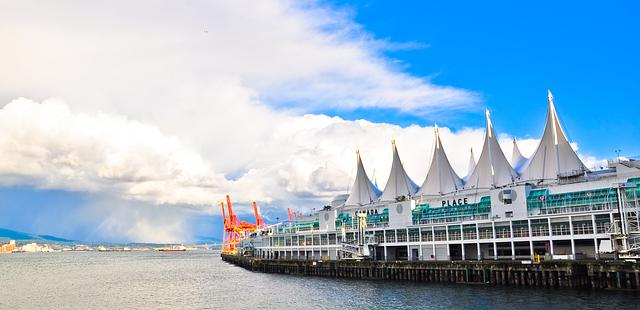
<point>200,280</point>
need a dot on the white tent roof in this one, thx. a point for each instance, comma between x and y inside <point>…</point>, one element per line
<point>492,169</point>
<point>399,183</point>
<point>517,160</point>
<point>363,191</point>
<point>472,165</point>
<point>441,178</point>
<point>554,156</point>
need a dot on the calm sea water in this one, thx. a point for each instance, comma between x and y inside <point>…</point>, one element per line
<point>200,280</point>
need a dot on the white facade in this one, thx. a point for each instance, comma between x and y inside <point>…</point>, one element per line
<point>555,208</point>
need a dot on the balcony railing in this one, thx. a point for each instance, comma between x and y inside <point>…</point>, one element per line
<point>584,229</point>
<point>427,237</point>
<point>519,233</point>
<point>503,233</point>
<point>560,230</point>
<point>487,234</point>
<point>468,235</point>
<point>441,236</point>
<point>454,235</point>
<point>601,228</point>
<point>538,232</point>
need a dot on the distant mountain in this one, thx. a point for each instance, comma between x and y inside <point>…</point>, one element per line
<point>206,239</point>
<point>21,236</point>
<point>7,234</point>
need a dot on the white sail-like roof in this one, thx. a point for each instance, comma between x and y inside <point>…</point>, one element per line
<point>554,156</point>
<point>472,165</point>
<point>517,160</point>
<point>441,178</point>
<point>363,191</point>
<point>492,169</point>
<point>399,183</point>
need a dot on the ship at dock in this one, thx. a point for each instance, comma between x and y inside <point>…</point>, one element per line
<point>549,206</point>
<point>175,248</point>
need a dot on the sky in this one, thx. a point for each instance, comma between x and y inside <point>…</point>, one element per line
<point>128,121</point>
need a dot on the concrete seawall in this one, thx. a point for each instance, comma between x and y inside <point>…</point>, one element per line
<point>565,274</point>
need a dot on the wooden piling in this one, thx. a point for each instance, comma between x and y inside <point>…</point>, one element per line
<point>563,274</point>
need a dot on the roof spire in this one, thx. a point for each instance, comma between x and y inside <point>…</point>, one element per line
<point>554,156</point>
<point>492,169</point>
<point>517,160</point>
<point>472,164</point>
<point>399,183</point>
<point>363,191</point>
<point>441,178</point>
<point>489,125</point>
<point>437,135</point>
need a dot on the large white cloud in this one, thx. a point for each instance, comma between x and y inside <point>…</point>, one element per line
<point>305,159</point>
<point>182,102</point>
<point>48,146</point>
<point>209,73</point>
<point>205,70</point>
<point>297,54</point>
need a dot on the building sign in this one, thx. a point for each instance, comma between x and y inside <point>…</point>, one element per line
<point>454,202</point>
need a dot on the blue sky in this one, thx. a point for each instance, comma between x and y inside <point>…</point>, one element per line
<point>584,51</point>
<point>157,114</point>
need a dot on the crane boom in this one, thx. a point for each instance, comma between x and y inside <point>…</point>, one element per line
<point>224,216</point>
<point>259,222</point>
<point>232,217</point>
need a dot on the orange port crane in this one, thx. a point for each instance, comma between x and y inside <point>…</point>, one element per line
<point>235,230</point>
<point>259,221</point>
<point>226,230</point>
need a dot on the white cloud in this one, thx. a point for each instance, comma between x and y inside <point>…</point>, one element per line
<point>312,156</point>
<point>297,54</point>
<point>205,77</point>
<point>183,102</point>
<point>154,62</point>
<point>304,159</point>
<point>48,146</point>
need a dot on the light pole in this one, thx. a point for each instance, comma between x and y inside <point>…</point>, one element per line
<point>618,155</point>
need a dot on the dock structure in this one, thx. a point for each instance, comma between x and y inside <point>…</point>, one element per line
<point>557,274</point>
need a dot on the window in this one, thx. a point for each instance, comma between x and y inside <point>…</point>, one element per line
<point>508,214</point>
<point>506,197</point>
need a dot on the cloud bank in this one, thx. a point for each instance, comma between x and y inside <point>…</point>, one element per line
<point>179,103</point>
<point>308,157</point>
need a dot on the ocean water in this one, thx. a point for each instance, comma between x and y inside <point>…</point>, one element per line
<point>201,280</point>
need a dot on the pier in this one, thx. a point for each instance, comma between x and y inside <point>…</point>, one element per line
<point>554,274</point>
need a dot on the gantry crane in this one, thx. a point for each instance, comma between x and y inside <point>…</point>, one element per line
<point>235,230</point>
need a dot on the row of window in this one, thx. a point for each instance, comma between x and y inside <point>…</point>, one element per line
<point>519,229</point>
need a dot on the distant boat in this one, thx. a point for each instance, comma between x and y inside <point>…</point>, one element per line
<point>82,248</point>
<point>179,248</point>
